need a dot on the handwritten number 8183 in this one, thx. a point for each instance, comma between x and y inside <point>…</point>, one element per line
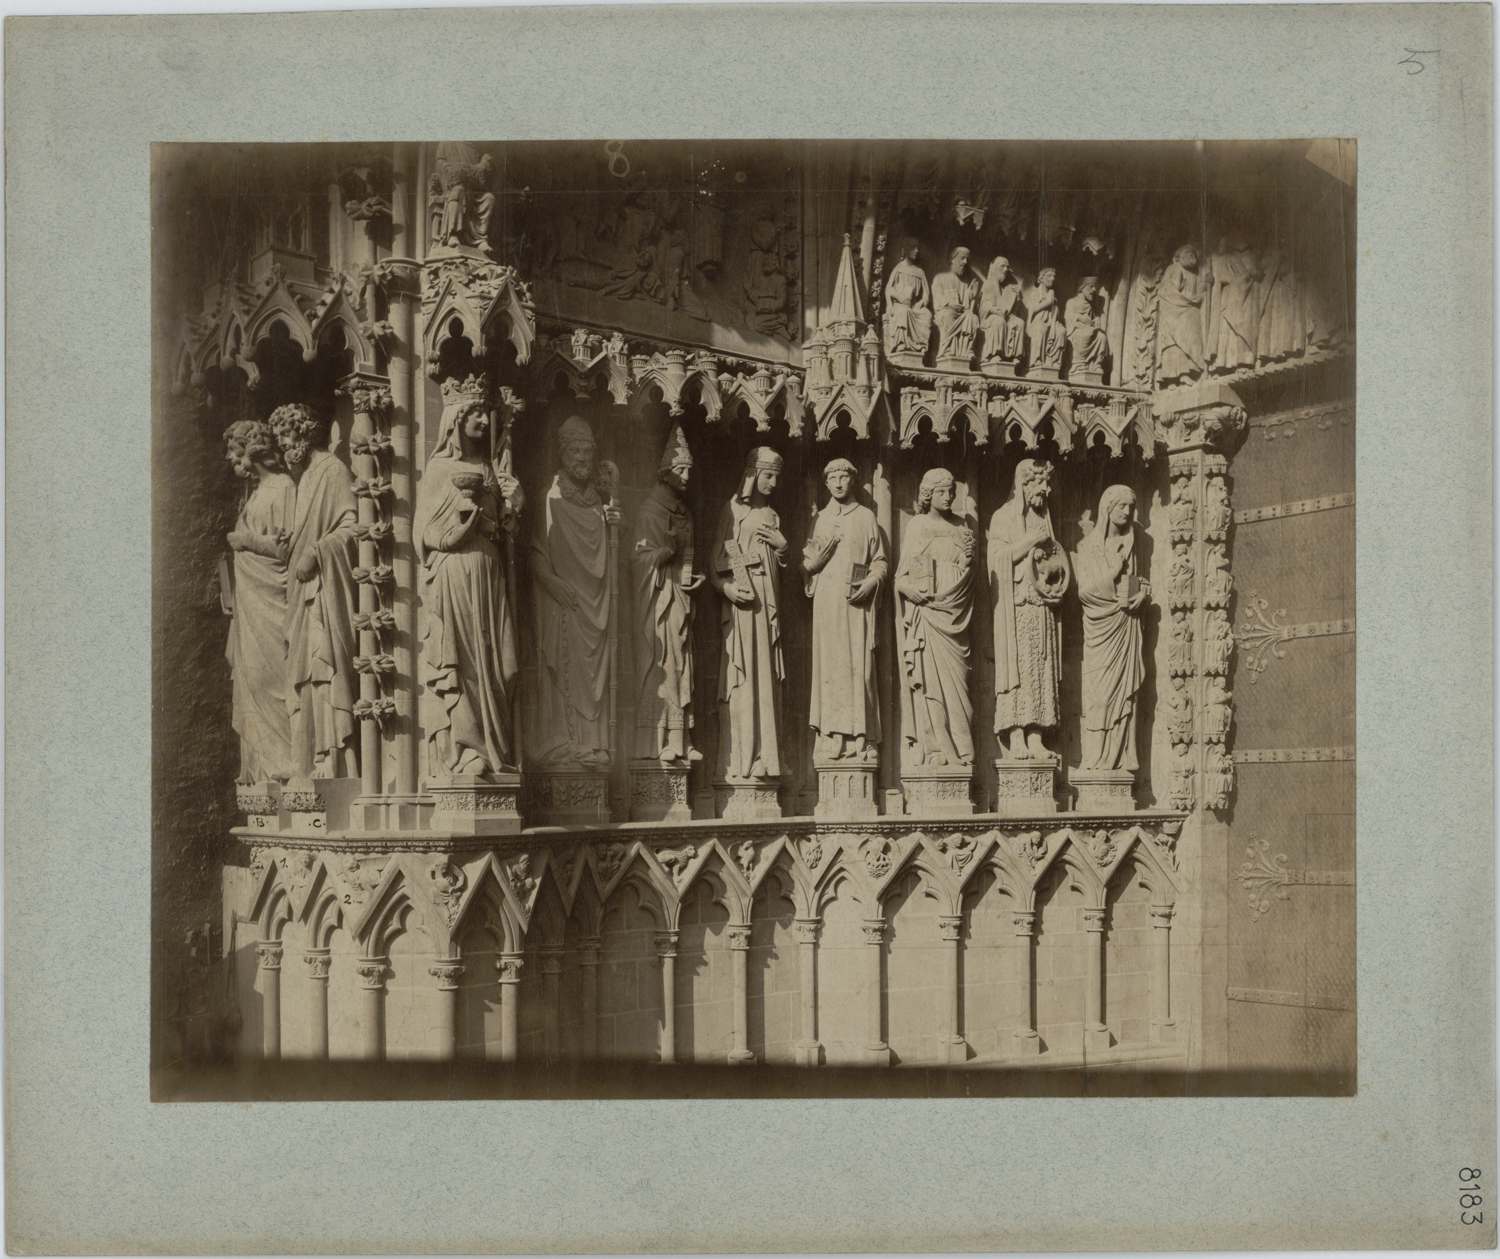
<point>1468,1195</point>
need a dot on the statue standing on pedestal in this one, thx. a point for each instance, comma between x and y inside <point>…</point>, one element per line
<point>1113,599</point>
<point>1179,320</point>
<point>1044,329</point>
<point>466,503</point>
<point>1004,330</point>
<point>1029,575</point>
<point>749,552</point>
<point>257,635</point>
<point>321,600</point>
<point>954,294</point>
<point>664,583</point>
<point>1084,319</point>
<point>459,198</point>
<point>1234,315</point>
<point>908,314</point>
<point>935,585</point>
<point>845,564</point>
<point>570,563</point>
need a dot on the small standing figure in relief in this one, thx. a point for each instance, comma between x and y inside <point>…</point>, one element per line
<point>765,284</point>
<point>1283,324</point>
<point>1180,646</point>
<point>467,503</point>
<point>570,562</point>
<point>1218,777</point>
<point>1217,513</point>
<point>664,580</point>
<point>460,199</point>
<point>1180,579</point>
<point>1234,314</point>
<point>935,584</point>
<point>1179,320</point>
<point>954,294</point>
<point>1182,511</point>
<point>1216,711</point>
<point>1218,643</point>
<point>908,314</point>
<point>1004,330</point>
<point>748,555</point>
<point>1180,712</point>
<point>1029,574</point>
<point>320,602</point>
<point>1217,581</point>
<point>845,563</point>
<point>257,635</point>
<point>1044,329</point>
<point>1113,662</point>
<point>1084,317</point>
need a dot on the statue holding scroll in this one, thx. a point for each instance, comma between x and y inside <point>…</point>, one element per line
<point>664,583</point>
<point>1029,575</point>
<point>845,564</point>
<point>1004,330</point>
<point>749,552</point>
<point>570,563</point>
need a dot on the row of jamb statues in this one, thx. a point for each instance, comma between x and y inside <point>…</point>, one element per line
<point>292,645</point>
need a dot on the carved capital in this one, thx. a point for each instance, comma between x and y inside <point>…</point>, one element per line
<point>509,967</point>
<point>1205,414</point>
<point>1025,922</point>
<point>807,930</point>
<point>399,277</point>
<point>372,971</point>
<point>269,954</point>
<point>739,936</point>
<point>950,927</point>
<point>552,962</point>
<point>589,949</point>
<point>874,931</point>
<point>447,972</point>
<point>1161,915</point>
<point>367,395</point>
<point>317,961</point>
<point>1093,920</point>
<point>666,943</point>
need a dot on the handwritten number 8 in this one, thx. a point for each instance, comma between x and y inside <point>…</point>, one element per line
<point>1468,1201</point>
<point>1469,1173</point>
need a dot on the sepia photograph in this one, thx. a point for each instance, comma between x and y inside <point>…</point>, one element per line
<point>824,608</point>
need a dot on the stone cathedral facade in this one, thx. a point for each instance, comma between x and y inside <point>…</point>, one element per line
<point>780,603</point>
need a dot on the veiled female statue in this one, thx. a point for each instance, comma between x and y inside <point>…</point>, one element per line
<point>257,635</point>
<point>1113,663</point>
<point>935,587</point>
<point>908,306</point>
<point>749,552</point>
<point>466,502</point>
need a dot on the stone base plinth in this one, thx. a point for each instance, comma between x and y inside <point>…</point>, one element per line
<point>1163,1031</point>
<point>468,804</point>
<point>1086,377</point>
<point>1103,790</point>
<point>748,801</point>
<point>933,792</point>
<point>954,364</point>
<point>1023,788</point>
<point>742,1059</point>
<point>261,805</point>
<point>877,1055</point>
<point>1096,1040</point>
<point>314,806</point>
<point>846,791</point>
<point>569,798</point>
<point>904,360</point>
<point>392,813</point>
<point>659,793</point>
<point>1000,369</point>
<point>1041,373</point>
<point>809,1054</point>
<point>954,1052</point>
<point>1025,1043</point>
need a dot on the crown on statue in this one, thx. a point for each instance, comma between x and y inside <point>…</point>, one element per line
<point>458,392</point>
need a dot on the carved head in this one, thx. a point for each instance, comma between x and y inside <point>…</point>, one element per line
<point>296,428</point>
<point>762,470</point>
<point>249,443</point>
<point>958,260</point>
<point>1088,286</point>
<point>1034,483</point>
<point>1117,508</point>
<point>579,453</point>
<point>910,249</point>
<point>474,420</point>
<point>999,269</point>
<point>937,490</point>
<point>1046,277</point>
<point>1186,257</point>
<point>676,460</point>
<point>839,476</point>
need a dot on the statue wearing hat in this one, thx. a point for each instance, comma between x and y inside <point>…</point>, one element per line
<point>845,564</point>
<point>664,583</point>
<point>570,565</point>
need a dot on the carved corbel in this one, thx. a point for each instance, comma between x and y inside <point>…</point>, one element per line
<point>1119,420</point>
<point>1207,414</point>
<point>476,296</point>
<point>1029,410</point>
<point>944,405</point>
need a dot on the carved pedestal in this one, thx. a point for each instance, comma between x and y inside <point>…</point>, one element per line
<point>1103,790</point>
<point>939,792</point>
<point>846,791</point>
<point>1023,788</point>
<point>1000,369</point>
<point>315,806</point>
<point>261,805</point>
<point>579,798</point>
<point>659,793</point>
<point>1041,373</point>
<point>467,804</point>
<point>1086,376</point>
<point>953,363</point>
<point>748,801</point>
<point>904,359</point>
